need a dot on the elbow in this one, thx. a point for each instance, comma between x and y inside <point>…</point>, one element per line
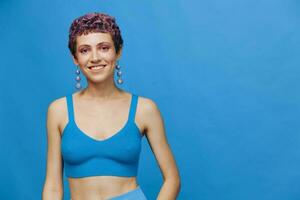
<point>174,181</point>
<point>174,177</point>
<point>52,190</point>
<point>177,182</point>
<point>52,194</point>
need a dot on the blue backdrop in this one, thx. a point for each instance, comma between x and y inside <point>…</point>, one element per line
<point>223,73</point>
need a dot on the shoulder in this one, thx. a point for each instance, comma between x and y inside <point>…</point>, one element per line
<point>149,115</point>
<point>147,105</point>
<point>57,110</point>
<point>148,108</point>
<point>57,105</point>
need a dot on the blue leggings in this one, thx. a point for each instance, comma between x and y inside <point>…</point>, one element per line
<point>135,194</point>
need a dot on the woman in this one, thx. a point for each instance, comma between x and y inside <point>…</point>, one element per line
<point>95,134</point>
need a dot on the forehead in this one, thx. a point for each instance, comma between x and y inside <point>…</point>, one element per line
<point>93,39</point>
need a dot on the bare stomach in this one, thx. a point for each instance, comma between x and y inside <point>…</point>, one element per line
<point>100,187</point>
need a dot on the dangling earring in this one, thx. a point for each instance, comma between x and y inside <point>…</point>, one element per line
<point>119,73</point>
<point>78,85</point>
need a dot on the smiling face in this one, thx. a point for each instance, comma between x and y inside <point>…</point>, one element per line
<point>96,56</point>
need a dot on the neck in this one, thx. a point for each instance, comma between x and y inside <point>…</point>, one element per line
<point>101,91</point>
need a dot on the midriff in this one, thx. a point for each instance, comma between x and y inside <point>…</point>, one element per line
<point>100,187</point>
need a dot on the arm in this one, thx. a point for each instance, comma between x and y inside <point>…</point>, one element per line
<point>155,133</point>
<point>53,186</point>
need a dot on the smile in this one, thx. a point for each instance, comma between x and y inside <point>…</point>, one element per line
<point>96,68</point>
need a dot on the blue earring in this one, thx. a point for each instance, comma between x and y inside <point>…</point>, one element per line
<point>119,73</point>
<point>77,79</point>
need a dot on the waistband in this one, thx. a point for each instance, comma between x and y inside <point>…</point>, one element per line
<point>134,194</point>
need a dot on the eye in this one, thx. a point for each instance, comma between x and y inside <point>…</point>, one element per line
<point>83,51</point>
<point>105,48</point>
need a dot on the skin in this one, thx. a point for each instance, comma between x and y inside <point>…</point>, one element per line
<point>100,111</point>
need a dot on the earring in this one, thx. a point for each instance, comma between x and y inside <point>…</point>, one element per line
<point>77,79</point>
<point>119,74</point>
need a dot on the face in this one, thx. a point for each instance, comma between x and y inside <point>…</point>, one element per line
<point>96,56</point>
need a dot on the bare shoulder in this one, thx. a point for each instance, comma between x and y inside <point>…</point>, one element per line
<point>57,112</point>
<point>57,106</point>
<point>148,112</point>
<point>147,105</point>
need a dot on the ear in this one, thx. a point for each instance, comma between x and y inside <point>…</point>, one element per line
<point>119,54</point>
<point>75,60</point>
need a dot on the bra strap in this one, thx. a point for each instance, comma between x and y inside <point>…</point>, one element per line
<point>70,107</point>
<point>133,105</point>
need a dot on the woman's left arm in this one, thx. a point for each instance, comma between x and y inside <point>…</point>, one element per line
<point>155,133</point>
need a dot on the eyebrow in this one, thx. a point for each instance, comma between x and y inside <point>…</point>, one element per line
<point>97,44</point>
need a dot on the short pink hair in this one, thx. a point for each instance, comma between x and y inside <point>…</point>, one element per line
<point>93,23</point>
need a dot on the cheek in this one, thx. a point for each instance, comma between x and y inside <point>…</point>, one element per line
<point>110,57</point>
<point>83,59</point>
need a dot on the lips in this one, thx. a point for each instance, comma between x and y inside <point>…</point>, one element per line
<point>96,67</point>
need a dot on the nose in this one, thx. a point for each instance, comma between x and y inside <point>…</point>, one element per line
<point>95,57</point>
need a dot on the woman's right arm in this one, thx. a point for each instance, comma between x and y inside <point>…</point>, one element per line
<point>53,186</point>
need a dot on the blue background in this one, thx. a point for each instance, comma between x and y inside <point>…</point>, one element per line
<point>225,75</point>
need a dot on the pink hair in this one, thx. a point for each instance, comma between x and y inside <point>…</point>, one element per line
<point>94,22</point>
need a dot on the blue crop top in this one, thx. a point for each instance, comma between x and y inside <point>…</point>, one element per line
<point>117,155</point>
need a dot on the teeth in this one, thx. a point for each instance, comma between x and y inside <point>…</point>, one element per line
<point>97,67</point>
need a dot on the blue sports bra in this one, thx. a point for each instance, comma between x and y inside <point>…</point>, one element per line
<point>117,155</point>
